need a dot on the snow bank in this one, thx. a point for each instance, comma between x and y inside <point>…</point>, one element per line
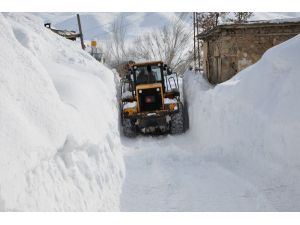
<point>60,146</point>
<point>251,123</point>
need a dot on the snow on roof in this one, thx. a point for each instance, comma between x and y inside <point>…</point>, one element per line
<point>251,24</point>
<point>286,20</point>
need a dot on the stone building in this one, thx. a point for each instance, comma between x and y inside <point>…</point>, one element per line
<point>230,48</point>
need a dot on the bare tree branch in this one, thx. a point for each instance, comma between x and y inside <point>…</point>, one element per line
<point>241,17</point>
<point>171,43</point>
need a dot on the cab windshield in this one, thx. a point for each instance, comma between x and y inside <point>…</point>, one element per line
<point>148,74</point>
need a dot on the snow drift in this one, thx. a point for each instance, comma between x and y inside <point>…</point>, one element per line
<point>60,146</point>
<point>251,124</point>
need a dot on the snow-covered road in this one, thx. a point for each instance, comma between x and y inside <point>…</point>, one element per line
<point>165,174</point>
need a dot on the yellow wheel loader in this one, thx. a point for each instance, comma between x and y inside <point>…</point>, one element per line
<point>150,100</point>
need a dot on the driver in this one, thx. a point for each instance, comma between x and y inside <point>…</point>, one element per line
<point>145,77</point>
<point>142,77</point>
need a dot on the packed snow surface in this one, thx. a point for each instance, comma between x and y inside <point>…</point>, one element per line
<point>241,152</point>
<point>170,174</point>
<point>57,105</point>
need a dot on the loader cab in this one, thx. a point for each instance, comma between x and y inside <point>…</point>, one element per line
<point>150,73</point>
<point>147,73</point>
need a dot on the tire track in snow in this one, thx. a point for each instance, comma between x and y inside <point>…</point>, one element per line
<point>166,174</point>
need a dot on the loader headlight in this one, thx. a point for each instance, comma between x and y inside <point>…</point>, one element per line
<point>140,91</point>
<point>157,89</point>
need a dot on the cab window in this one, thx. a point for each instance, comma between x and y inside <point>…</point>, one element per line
<point>148,74</point>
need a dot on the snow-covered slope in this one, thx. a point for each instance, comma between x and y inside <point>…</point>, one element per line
<point>251,124</point>
<point>57,105</point>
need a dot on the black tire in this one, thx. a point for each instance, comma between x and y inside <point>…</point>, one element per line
<point>186,123</point>
<point>128,128</point>
<point>177,121</point>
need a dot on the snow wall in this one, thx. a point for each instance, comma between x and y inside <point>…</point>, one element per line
<point>251,123</point>
<point>59,139</point>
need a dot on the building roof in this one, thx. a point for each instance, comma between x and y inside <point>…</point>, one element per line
<point>250,24</point>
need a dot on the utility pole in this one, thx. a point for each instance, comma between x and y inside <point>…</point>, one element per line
<point>198,41</point>
<point>80,32</point>
<point>194,26</point>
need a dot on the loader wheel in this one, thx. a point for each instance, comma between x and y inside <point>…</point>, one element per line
<point>128,129</point>
<point>177,123</point>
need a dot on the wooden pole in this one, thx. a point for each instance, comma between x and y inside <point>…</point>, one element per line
<point>194,25</point>
<point>80,32</point>
<point>198,41</point>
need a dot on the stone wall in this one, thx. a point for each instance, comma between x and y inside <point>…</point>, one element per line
<point>233,49</point>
